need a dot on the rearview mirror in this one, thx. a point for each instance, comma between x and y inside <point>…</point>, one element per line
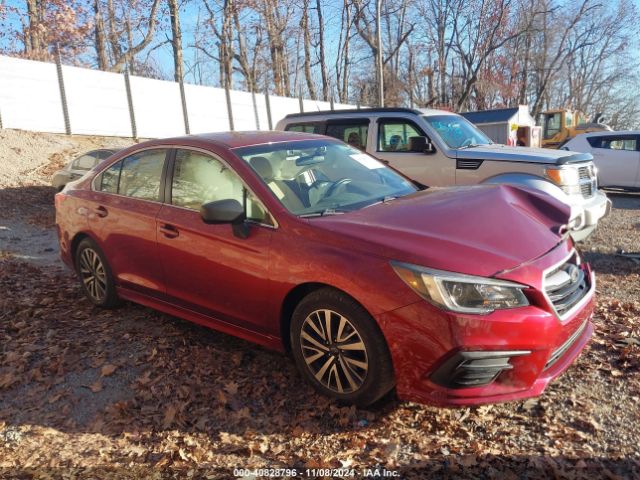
<point>421,145</point>
<point>226,211</point>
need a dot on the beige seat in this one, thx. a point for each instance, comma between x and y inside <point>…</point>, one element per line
<point>280,189</point>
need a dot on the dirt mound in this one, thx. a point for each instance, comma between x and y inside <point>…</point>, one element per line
<point>30,158</point>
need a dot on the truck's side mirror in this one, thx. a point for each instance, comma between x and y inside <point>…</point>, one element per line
<point>421,145</point>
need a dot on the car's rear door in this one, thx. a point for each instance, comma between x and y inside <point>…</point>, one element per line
<point>126,199</point>
<point>207,268</point>
<point>617,158</point>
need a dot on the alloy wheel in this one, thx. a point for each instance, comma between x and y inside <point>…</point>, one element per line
<point>93,273</point>
<point>334,351</point>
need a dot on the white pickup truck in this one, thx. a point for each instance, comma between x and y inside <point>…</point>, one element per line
<point>440,148</point>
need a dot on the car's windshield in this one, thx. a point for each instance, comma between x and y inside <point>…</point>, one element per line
<point>323,176</point>
<point>456,131</point>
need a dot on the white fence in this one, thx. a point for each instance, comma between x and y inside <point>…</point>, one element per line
<point>97,103</point>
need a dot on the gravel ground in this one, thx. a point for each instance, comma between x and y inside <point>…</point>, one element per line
<point>28,158</point>
<point>133,393</point>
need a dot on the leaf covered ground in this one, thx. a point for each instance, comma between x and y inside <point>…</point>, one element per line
<point>132,393</point>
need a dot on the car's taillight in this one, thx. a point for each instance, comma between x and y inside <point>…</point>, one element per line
<point>59,198</point>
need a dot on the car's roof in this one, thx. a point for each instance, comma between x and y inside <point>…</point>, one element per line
<point>232,140</point>
<point>609,133</point>
<point>355,112</point>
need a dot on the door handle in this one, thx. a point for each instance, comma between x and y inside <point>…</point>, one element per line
<point>101,211</point>
<point>169,231</point>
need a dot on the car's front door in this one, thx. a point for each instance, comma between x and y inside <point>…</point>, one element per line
<point>122,216</point>
<point>432,169</point>
<point>618,160</point>
<point>207,268</point>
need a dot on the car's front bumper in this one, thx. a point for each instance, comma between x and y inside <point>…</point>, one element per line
<point>528,347</point>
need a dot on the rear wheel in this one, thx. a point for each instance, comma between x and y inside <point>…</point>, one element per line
<point>95,275</point>
<point>339,348</point>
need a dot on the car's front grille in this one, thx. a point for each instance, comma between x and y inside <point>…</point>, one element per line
<point>566,285</point>
<point>562,349</point>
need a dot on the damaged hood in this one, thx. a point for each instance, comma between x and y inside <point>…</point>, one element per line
<point>477,230</point>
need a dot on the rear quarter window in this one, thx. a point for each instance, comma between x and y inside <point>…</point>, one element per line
<point>308,127</point>
<point>109,179</point>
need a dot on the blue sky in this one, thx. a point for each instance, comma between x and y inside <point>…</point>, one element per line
<point>162,56</point>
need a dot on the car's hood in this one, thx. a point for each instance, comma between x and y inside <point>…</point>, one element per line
<point>496,151</point>
<point>478,230</point>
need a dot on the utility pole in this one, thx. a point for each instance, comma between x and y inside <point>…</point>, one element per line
<point>379,65</point>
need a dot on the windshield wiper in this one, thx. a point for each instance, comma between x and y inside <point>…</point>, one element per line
<point>469,146</point>
<point>385,199</point>
<point>322,213</point>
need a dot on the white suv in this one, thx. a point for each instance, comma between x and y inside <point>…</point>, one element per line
<point>616,154</point>
<point>439,148</point>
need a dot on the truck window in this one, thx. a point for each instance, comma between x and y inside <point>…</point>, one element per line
<point>355,134</point>
<point>393,136</point>
<point>310,127</point>
<point>552,125</point>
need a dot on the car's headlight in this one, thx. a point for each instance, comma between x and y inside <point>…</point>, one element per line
<point>563,175</point>
<point>461,293</point>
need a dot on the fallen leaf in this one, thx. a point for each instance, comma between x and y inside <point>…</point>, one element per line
<point>108,370</point>
<point>96,386</point>
<point>169,416</point>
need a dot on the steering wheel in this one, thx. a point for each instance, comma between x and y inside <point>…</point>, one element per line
<point>467,142</point>
<point>336,185</point>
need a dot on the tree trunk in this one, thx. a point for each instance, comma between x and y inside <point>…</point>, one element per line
<point>35,36</point>
<point>100,39</point>
<point>176,40</point>
<point>323,64</point>
<point>379,65</point>
<point>307,48</point>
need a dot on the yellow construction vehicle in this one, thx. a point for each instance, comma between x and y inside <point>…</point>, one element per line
<point>558,126</point>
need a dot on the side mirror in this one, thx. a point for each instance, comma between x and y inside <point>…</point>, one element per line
<point>421,145</point>
<point>226,211</point>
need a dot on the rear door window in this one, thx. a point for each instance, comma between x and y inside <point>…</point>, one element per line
<point>354,133</point>
<point>137,176</point>
<point>617,142</point>
<point>141,174</point>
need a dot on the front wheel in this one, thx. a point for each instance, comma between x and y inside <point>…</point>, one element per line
<point>339,348</point>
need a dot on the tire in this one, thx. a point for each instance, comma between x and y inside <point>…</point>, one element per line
<point>95,275</point>
<point>332,369</point>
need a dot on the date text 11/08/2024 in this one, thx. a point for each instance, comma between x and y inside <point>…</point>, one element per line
<point>374,472</point>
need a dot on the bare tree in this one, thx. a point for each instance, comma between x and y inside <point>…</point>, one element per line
<point>307,49</point>
<point>176,40</point>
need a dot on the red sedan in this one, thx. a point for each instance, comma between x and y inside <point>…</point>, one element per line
<point>304,244</point>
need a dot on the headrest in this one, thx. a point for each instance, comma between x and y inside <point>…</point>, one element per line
<point>262,166</point>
